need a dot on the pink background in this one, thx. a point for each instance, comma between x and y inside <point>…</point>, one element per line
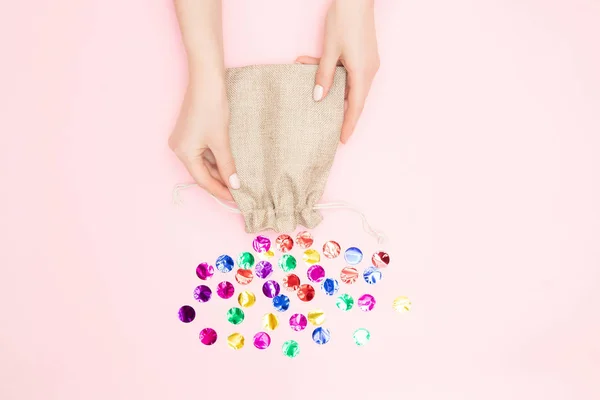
<point>477,154</point>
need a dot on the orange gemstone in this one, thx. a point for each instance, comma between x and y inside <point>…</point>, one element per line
<point>349,275</point>
<point>331,249</point>
<point>291,282</point>
<point>306,292</point>
<point>304,239</point>
<point>244,276</point>
<point>284,243</point>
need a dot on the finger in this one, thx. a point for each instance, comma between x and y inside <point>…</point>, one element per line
<point>225,164</point>
<point>325,73</point>
<point>357,93</point>
<point>202,176</point>
<point>308,60</point>
<point>214,171</point>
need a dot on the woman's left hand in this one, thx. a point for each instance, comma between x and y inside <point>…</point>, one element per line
<point>350,40</point>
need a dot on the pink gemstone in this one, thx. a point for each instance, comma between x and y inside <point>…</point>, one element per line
<point>208,336</point>
<point>205,271</point>
<point>261,244</point>
<point>262,340</point>
<point>225,290</point>
<point>366,302</point>
<point>316,273</point>
<point>298,322</point>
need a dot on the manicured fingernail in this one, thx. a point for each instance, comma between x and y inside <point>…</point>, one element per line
<point>318,93</point>
<point>234,181</point>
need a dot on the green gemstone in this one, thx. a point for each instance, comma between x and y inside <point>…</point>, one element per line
<point>344,302</point>
<point>291,348</point>
<point>287,263</point>
<point>246,260</point>
<point>235,315</point>
<point>361,336</point>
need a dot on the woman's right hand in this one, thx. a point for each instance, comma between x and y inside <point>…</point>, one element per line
<point>201,139</point>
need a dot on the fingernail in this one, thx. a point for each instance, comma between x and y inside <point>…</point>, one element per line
<point>234,181</point>
<point>318,93</point>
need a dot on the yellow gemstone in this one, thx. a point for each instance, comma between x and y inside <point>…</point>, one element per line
<point>270,321</point>
<point>266,255</point>
<point>246,299</point>
<point>401,304</point>
<point>311,257</point>
<point>316,317</point>
<point>235,341</point>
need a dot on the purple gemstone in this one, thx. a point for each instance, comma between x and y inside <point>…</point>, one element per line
<point>261,244</point>
<point>263,269</point>
<point>262,340</point>
<point>208,336</point>
<point>202,293</point>
<point>205,271</point>
<point>298,322</point>
<point>316,273</point>
<point>225,290</point>
<point>366,302</point>
<point>187,314</point>
<point>271,289</point>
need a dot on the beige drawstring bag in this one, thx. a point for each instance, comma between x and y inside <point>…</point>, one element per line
<point>283,143</point>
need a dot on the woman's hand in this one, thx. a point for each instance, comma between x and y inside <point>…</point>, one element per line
<point>201,137</point>
<point>350,40</point>
<point>201,141</point>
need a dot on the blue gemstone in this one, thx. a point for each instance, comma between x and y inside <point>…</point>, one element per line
<point>330,286</point>
<point>353,255</point>
<point>321,335</point>
<point>281,302</point>
<point>224,263</point>
<point>372,275</point>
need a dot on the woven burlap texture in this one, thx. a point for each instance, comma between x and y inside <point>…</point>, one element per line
<point>283,143</point>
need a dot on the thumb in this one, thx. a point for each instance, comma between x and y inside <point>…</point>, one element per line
<point>226,165</point>
<point>325,73</point>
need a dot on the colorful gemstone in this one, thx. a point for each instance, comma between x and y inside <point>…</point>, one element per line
<point>284,243</point>
<point>290,348</point>
<point>331,249</point>
<point>349,275</point>
<point>306,292</point>
<point>263,269</point>
<point>291,282</point>
<point>261,244</point>
<point>202,293</point>
<point>246,299</point>
<point>311,257</point>
<point>361,336</point>
<point>208,336</point>
<point>330,286</point>
<point>244,276</point>
<point>224,263</point>
<point>402,304</point>
<point>321,335</point>
<point>235,341</point>
<point>298,322</point>
<point>235,315</point>
<point>381,259</point>
<point>372,275</point>
<point>270,321</point>
<point>267,255</point>
<point>353,255</point>
<point>287,263</point>
<point>315,273</point>
<point>187,314</point>
<point>205,271</point>
<point>271,289</point>
<point>225,290</point>
<point>304,239</point>
<point>344,302</point>
<point>366,302</point>
<point>316,317</point>
<point>281,302</point>
<point>262,340</point>
<point>246,260</point>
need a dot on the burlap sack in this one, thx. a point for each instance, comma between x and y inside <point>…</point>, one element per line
<point>283,143</point>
